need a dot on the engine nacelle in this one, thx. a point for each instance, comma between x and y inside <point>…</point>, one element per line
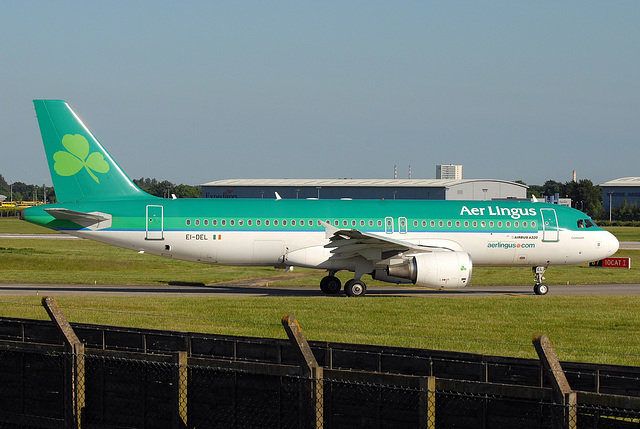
<point>438,269</point>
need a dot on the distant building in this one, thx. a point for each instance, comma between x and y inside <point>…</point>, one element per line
<point>449,171</point>
<point>401,189</point>
<point>619,190</point>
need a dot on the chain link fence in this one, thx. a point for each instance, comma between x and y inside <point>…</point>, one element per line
<point>43,388</point>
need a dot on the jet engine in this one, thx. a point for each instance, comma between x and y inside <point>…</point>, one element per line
<point>437,269</point>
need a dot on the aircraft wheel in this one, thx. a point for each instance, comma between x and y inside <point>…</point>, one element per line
<point>330,285</point>
<point>355,288</point>
<point>541,289</point>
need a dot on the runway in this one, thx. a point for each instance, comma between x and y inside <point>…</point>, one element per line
<point>238,290</point>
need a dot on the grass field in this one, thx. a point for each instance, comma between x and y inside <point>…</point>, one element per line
<point>594,329</point>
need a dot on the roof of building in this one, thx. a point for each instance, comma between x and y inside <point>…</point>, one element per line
<point>623,181</point>
<point>418,183</point>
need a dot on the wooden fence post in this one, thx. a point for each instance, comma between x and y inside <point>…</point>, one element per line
<point>180,379</point>
<point>77,370</point>
<point>562,390</point>
<point>427,416</point>
<point>315,371</point>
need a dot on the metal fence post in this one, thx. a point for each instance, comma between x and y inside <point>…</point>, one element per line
<point>315,371</point>
<point>77,370</point>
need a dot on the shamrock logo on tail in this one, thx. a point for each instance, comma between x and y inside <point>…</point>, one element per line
<point>71,162</point>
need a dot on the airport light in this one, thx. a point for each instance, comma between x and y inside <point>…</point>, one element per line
<point>610,194</point>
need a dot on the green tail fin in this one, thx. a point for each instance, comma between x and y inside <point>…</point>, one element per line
<point>80,167</point>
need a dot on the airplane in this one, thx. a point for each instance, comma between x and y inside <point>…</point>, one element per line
<point>423,242</point>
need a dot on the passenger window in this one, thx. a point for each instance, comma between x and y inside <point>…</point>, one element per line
<point>223,222</point>
<point>345,223</point>
<point>379,223</point>
<point>441,224</point>
<point>206,222</point>
<point>232,222</point>
<point>491,224</point>
<point>361,223</point>
<point>197,222</point>
<point>466,224</point>
<point>516,224</point>
<point>475,224</point>
<point>258,222</point>
<point>424,223</point>
<point>275,222</point>
<point>458,223</point>
<point>214,222</point>
<point>508,224</point>
<point>266,222</point>
<point>284,223</point>
<point>188,222</point>
<point>293,222</point>
<point>370,223</point>
<point>483,224</point>
<point>240,222</point>
<point>249,222</point>
<point>533,224</point>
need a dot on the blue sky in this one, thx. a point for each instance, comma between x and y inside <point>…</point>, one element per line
<point>198,91</point>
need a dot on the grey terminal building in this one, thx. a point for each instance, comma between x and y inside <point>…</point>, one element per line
<point>402,189</point>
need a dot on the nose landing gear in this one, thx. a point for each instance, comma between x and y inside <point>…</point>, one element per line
<point>540,288</point>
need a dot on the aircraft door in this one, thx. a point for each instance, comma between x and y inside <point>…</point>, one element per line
<point>549,225</point>
<point>155,223</point>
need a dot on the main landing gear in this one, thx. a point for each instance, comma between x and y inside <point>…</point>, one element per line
<point>331,285</point>
<point>540,288</point>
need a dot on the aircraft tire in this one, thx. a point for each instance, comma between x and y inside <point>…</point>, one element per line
<point>355,288</point>
<point>330,285</point>
<point>541,289</point>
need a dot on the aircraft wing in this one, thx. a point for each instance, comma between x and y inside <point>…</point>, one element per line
<point>348,243</point>
<point>93,220</point>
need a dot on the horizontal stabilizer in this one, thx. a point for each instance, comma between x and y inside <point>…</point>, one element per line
<point>93,220</point>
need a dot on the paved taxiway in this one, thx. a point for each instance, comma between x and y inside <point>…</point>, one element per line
<point>222,290</point>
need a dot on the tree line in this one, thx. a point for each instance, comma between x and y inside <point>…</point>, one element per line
<point>584,195</point>
<point>19,191</point>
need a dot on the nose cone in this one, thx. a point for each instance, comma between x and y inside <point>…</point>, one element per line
<point>611,243</point>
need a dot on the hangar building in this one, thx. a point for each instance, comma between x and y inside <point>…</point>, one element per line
<point>402,189</point>
<point>618,190</point>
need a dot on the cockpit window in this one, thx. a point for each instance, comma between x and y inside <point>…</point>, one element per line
<point>585,223</point>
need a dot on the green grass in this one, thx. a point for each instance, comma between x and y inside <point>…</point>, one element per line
<point>592,329</point>
<point>13,225</point>
<point>625,233</point>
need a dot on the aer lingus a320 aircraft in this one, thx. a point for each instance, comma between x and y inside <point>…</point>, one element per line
<point>427,243</point>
